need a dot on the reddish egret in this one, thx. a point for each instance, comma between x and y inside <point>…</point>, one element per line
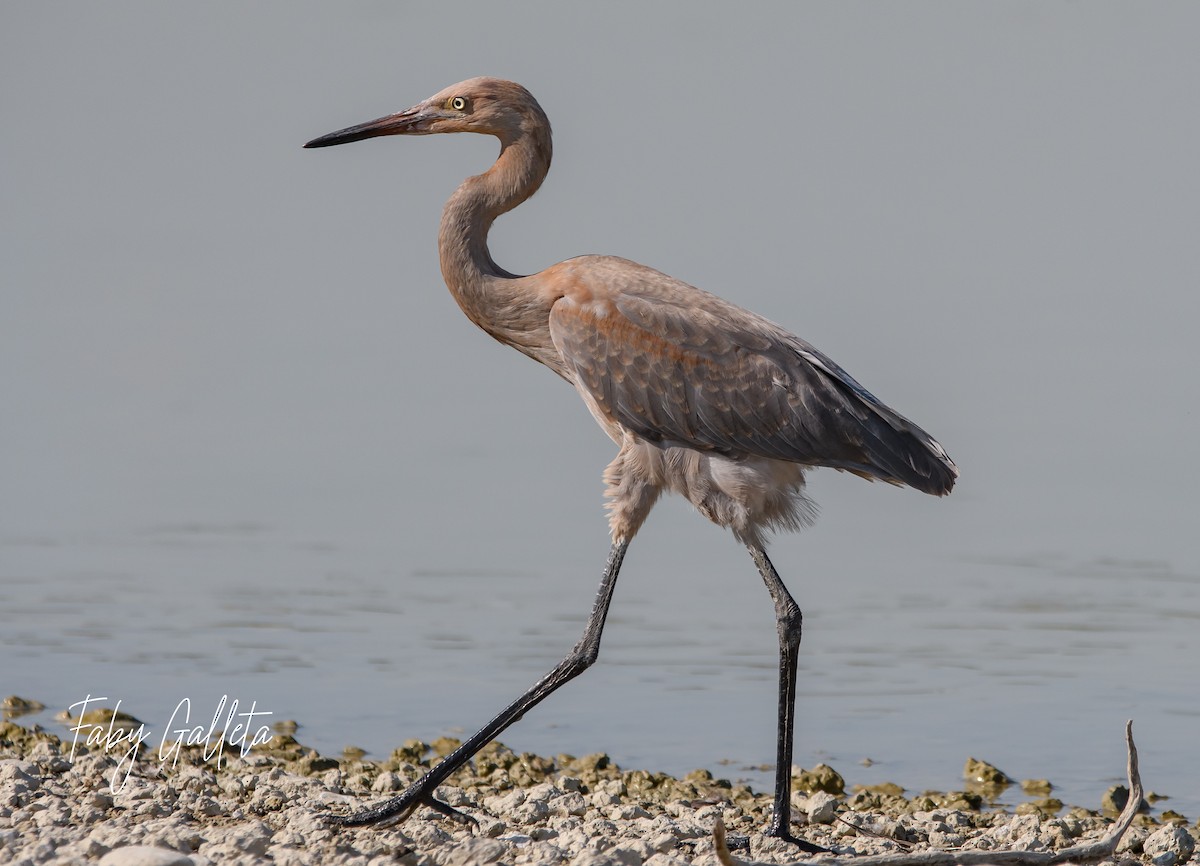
<point>702,397</point>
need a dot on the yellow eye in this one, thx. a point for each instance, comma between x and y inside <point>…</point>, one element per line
<point>458,103</point>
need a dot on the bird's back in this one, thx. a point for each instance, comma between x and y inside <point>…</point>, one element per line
<point>676,365</point>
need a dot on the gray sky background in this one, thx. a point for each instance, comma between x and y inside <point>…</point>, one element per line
<point>987,213</point>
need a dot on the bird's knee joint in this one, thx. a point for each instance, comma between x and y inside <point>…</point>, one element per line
<point>580,659</point>
<point>791,620</point>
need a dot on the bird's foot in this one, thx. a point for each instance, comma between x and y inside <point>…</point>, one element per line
<point>807,847</point>
<point>398,809</point>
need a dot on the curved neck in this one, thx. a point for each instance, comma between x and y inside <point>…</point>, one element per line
<point>467,266</point>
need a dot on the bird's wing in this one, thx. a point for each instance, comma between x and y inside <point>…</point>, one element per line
<point>697,371</point>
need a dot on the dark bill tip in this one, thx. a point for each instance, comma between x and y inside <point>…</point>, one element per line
<point>342,136</point>
<point>323,141</point>
<point>411,121</point>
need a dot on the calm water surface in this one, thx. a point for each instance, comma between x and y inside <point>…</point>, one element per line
<point>1030,662</point>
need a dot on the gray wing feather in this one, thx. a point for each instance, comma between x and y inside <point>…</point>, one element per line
<point>711,376</point>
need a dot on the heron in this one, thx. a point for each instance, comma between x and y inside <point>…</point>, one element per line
<point>702,398</point>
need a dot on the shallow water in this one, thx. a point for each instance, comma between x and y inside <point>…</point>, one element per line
<point>1031,664</point>
<point>251,448</point>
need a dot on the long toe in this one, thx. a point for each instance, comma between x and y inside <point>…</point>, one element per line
<point>391,811</point>
<point>398,809</point>
<point>449,811</point>
<point>807,847</point>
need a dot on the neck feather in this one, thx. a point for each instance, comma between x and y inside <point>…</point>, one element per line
<point>467,266</point>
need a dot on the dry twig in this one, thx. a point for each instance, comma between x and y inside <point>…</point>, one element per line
<point>1087,853</point>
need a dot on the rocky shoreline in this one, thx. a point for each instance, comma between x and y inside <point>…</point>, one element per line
<point>210,806</point>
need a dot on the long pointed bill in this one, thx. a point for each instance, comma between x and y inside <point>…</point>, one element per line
<point>414,121</point>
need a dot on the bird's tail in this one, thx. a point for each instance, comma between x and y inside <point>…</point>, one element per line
<point>909,455</point>
<point>891,447</point>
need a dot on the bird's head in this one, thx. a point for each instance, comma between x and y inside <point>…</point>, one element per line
<point>490,106</point>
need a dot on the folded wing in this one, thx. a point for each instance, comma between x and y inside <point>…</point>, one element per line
<point>687,368</point>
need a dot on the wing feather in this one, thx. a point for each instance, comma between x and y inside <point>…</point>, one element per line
<point>676,365</point>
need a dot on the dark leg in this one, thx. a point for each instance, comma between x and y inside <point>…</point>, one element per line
<point>579,660</point>
<point>788,621</point>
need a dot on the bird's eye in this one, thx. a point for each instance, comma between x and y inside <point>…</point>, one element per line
<point>458,103</point>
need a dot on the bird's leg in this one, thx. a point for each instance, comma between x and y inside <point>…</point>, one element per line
<point>788,620</point>
<point>577,661</point>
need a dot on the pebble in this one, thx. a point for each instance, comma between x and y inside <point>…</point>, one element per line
<point>145,855</point>
<point>1169,846</point>
<point>821,807</point>
<point>270,808</point>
